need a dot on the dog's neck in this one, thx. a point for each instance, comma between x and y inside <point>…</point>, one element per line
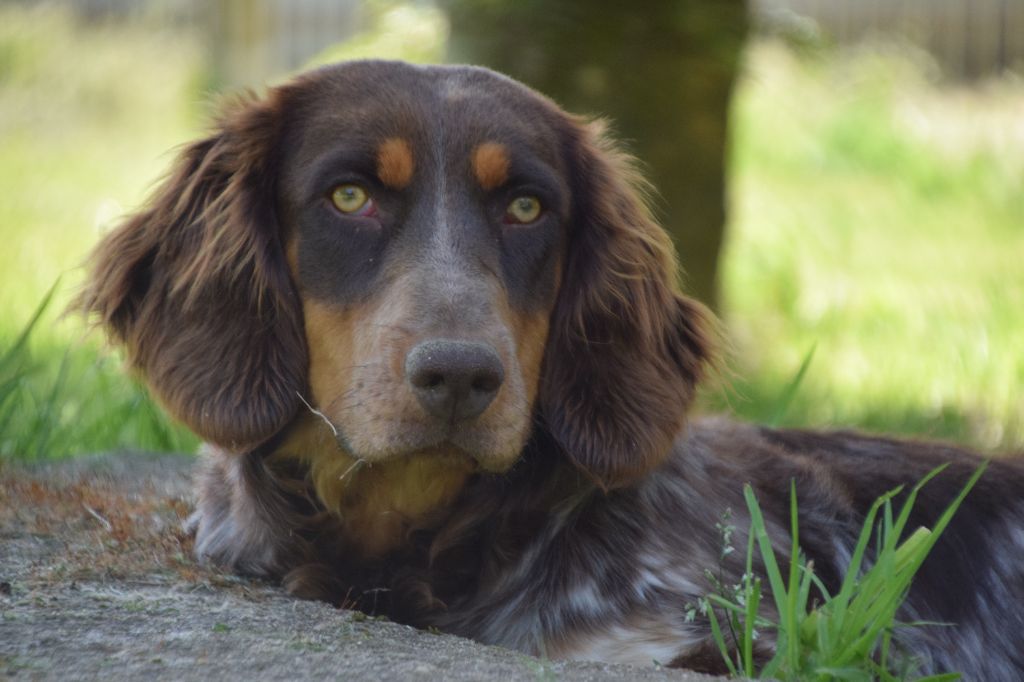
<point>376,503</point>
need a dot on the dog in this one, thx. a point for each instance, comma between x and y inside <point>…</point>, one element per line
<point>435,344</point>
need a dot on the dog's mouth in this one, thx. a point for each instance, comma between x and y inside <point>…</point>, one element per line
<point>458,446</point>
<point>373,436</point>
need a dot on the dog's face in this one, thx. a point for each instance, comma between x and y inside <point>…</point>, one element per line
<point>436,260</point>
<point>425,214</point>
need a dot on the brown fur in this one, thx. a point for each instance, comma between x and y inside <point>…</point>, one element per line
<point>208,243</point>
<point>646,345</point>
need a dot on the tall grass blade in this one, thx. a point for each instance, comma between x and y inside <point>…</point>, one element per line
<point>771,566</point>
<point>914,563</point>
<point>792,388</point>
<point>753,590</point>
<point>716,634</point>
<point>13,353</point>
<point>840,604</point>
<point>792,613</point>
<point>15,367</point>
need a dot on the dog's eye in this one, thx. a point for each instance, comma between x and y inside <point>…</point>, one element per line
<point>523,210</point>
<point>353,200</point>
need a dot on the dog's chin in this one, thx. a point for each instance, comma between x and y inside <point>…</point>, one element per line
<point>479,448</point>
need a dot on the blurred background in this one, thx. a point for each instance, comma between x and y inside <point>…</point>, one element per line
<point>844,181</point>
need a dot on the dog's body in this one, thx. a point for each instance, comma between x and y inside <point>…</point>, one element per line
<point>544,561</point>
<point>436,343</point>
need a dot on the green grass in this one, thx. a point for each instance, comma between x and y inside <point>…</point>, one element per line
<point>877,220</point>
<point>87,116</point>
<point>849,635</point>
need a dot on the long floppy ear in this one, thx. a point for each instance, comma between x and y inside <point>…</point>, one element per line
<point>626,348</point>
<point>196,288</point>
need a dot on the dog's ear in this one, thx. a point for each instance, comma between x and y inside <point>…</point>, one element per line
<point>196,286</point>
<point>626,348</point>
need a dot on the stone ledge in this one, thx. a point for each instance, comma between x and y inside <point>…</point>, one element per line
<point>96,580</point>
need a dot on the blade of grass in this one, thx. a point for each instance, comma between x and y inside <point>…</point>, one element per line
<point>716,634</point>
<point>757,527</point>
<point>792,615</point>
<point>22,339</point>
<point>908,503</point>
<point>789,392</point>
<point>753,604</point>
<point>946,517</point>
<point>15,367</point>
<point>840,604</point>
<point>771,566</point>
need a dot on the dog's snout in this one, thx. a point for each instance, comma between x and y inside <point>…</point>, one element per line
<point>454,380</point>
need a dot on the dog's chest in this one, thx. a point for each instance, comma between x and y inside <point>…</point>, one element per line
<point>376,503</point>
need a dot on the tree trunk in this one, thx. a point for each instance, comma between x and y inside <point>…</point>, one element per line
<point>662,70</point>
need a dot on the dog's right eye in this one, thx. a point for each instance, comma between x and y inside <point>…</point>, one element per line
<point>353,200</point>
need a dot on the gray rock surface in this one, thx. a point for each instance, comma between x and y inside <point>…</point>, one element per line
<point>97,581</point>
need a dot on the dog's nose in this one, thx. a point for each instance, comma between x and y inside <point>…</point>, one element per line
<point>454,380</point>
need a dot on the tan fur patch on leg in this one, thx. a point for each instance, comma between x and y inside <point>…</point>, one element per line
<point>490,164</point>
<point>395,163</point>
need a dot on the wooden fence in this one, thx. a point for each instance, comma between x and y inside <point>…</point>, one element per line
<point>968,38</point>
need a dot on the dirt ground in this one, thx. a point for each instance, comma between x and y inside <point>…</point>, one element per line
<point>97,581</point>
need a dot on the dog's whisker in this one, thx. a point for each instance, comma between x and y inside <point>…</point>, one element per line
<point>355,466</point>
<point>319,414</point>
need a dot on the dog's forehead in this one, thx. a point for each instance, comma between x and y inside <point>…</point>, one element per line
<point>448,110</point>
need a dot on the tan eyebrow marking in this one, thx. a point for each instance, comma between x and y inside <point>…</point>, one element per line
<point>490,164</point>
<point>395,163</point>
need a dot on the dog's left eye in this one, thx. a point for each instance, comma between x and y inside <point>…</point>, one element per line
<point>523,210</point>
<point>353,200</point>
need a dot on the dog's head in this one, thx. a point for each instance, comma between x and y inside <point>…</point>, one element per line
<point>438,260</point>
